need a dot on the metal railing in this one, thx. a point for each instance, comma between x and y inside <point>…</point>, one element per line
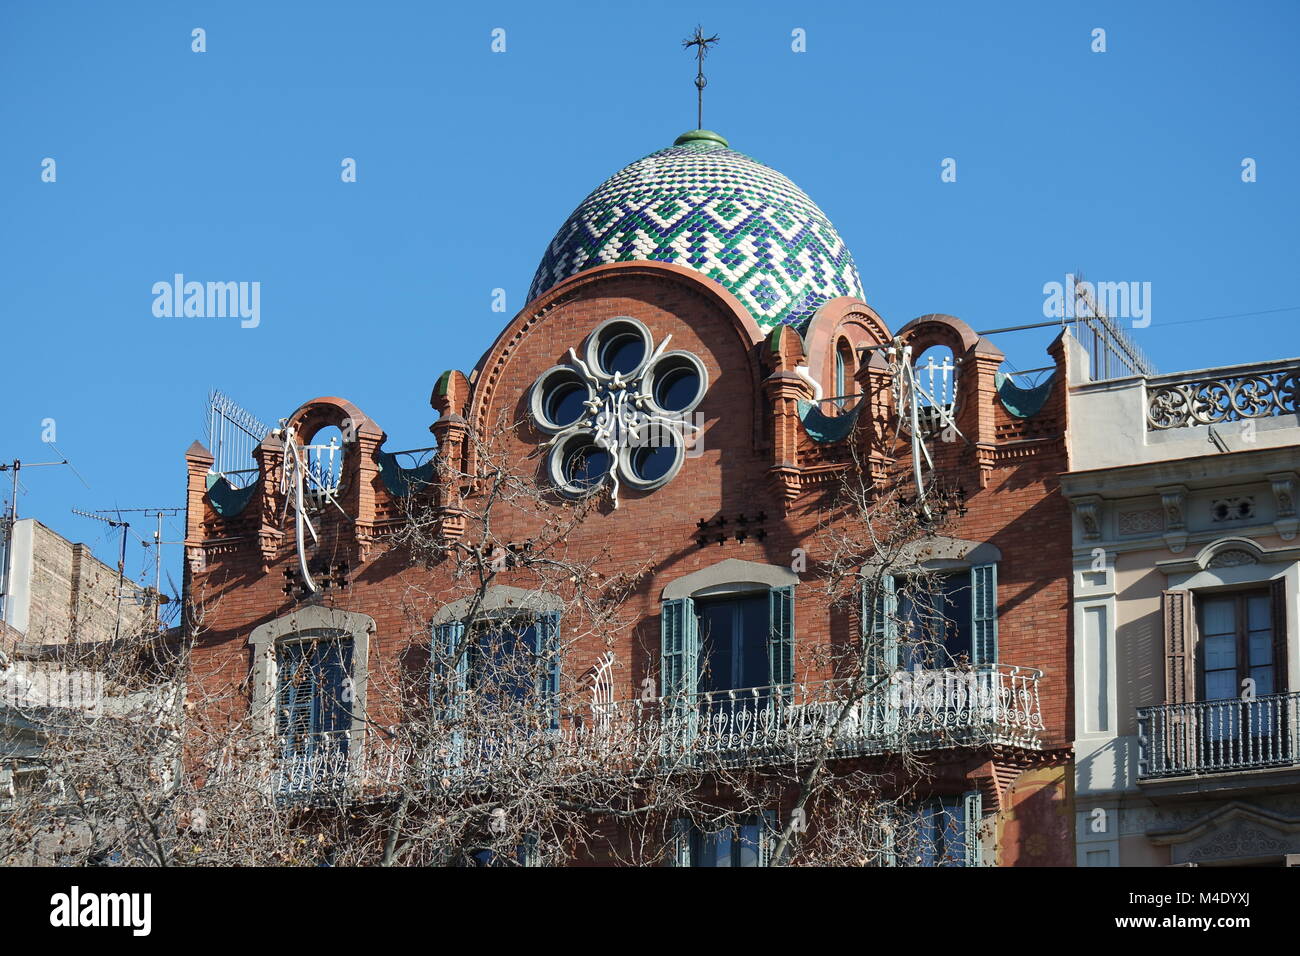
<point>909,711</point>
<point>1209,397</point>
<point>1218,736</point>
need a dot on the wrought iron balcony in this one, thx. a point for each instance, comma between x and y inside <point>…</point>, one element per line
<point>911,711</point>
<point>1218,736</point>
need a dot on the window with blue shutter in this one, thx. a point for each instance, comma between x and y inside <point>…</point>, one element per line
<point>943,831</point>
<point>679,649</point>
<point>514,660</point>
<point>547,650</point>
<point>973,807</point>
<point>780,640</point>
<point>313,698</point>
<point>984,613</point>
<point>880,626</point>
<point>949,620</point>
<point>450,672</point>
<point>748,843</point>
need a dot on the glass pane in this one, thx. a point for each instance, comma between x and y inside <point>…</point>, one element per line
<point>1220,652</point>
<point>957,611</point>
<point>1218,616</point>
<point>1259,615</point>
<point>1263,681</point>
<point>716,640</point>
<point>1221,685</point>
<point>711,849</point>
<point>1261,648</point>
<point>755,622</point>
<point>747,846</point>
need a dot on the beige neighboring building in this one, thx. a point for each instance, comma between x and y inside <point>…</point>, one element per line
<point>57,592</point>
<point>1186,597</point>
<point>58,600</point>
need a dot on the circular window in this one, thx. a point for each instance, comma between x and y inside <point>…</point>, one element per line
<point>578,465</point>
<point>565,403</point>
<point>559,399</point>
<point>654,463</point>
<point>651,464</point>
<point>619,346</point>
<point>622,353</point>
<point>676,382</point>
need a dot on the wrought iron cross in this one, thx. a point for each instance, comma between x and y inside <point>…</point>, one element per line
<point>701,44</point>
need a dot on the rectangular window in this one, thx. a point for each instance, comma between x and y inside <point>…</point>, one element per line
<point>1240,664</point>
<point>948,620</point>
<point>510,665</point>
<point>943,831</point>
<point>733,636</point>
<point>1236,632</point>
<point>746,843</point>
<point>314,699</point>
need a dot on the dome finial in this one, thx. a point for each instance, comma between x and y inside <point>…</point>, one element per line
<point>701,43</point>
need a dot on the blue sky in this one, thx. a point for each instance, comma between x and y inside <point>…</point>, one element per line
<point>225,165</point>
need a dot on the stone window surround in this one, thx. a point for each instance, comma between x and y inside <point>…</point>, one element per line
<point>730,576</point>
<point>307,623</point>
<point>500,602</point>
<point>1195,574</point>
<point>941,554</point>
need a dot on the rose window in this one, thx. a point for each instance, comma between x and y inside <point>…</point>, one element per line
<point>620,412</point>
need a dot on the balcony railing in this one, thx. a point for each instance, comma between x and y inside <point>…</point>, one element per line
<point>1262,390</point>
<point>1218,736</point>
<point>912,711</point>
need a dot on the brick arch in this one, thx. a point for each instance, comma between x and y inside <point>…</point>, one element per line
<point>838,320</point>
<point>938,329</point>
<point>310,417</point>
<point>487,374</point>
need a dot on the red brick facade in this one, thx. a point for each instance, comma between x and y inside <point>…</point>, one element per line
<point>757,459</point>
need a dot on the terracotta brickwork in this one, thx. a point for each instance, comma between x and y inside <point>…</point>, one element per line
<point>756,461</point>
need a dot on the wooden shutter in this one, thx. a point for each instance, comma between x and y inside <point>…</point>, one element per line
<point>547,635</point>
<point>1180,651</point>
<point>880,627</point>
<point>679,648</point>
<point>1281,683</point>
<point>984,613</point>
<point>780,637</point>
<point>972,814</point>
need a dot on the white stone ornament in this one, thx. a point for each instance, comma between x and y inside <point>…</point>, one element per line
<point>619,412</point>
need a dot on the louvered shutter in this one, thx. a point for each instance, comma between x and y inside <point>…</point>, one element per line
<point>679,649</point>
<point>295,693</point>
<point>880,626</point>
<point>972,815</point>
<point>769,830</point>
<point>451,672</point>
<point>1277,591</point>
<point>780,640</point>
<point>984,613</point>
<point>547,650</point>
<point>1180,654</point>
<point>681,845</point>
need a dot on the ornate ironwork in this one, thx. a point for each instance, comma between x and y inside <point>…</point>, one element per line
<point>1218,736</point>
<point>1261,392</point>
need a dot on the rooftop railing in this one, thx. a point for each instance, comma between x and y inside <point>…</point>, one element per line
<point>1215,396</point>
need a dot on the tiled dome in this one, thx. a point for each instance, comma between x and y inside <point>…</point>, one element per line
<point>700,204</point>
